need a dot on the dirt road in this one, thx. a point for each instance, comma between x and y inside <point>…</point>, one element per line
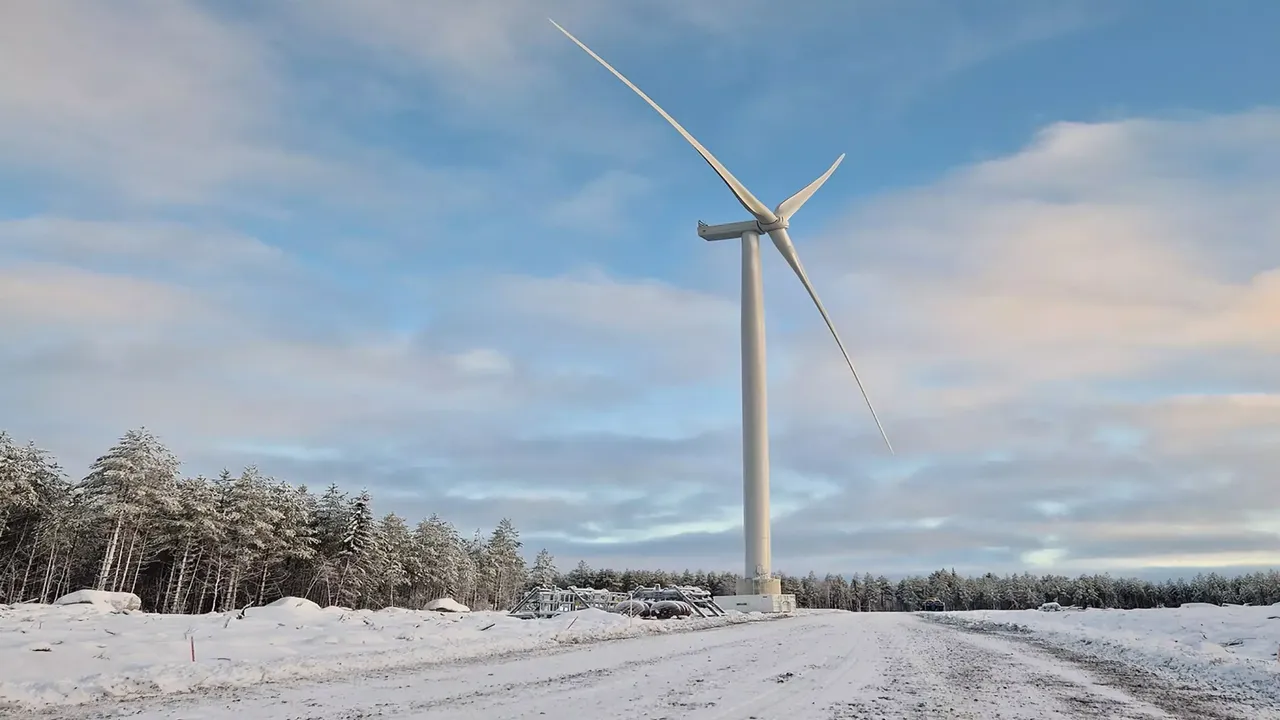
<point>837,666</point>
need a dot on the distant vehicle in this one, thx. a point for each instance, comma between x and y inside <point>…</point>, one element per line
<point>934,605</point>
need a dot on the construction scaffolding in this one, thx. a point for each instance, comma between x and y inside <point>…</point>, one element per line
<point>545,602</point>
<point>648,602</point>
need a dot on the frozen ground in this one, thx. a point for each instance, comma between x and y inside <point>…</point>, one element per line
<point>1234,648</point>
<point>819,665</point>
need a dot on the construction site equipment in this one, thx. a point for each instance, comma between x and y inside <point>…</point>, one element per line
<point>549,601</point>
<point>699,601</point>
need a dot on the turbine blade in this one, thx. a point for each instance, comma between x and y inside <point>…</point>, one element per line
<point>782,241</point>
<point>788,207</point>
<point>740,191</point>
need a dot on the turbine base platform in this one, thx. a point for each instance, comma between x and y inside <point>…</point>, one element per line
<point>774,603</point>
<point>759,586</point>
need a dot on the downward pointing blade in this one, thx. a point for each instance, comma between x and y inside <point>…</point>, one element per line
<point>782,241</point>
<point>740,191</point>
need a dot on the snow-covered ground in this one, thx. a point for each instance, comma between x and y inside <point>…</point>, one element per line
<point>298,660</point>
<point>815,666</point>
<point>1232,647</point>
<point>58,654</point>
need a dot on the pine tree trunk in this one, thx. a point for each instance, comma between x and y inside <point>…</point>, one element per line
<point>49,571</point>
<point>31,559</point>
<point>217,586</point>
<point>122,568</point>
<point>65,583</point>
<point>7,575</point>
<point>167,605</point>
<point>233,588</point>
<point>176,585</point>
<point>137,569</point>
<point>185,603</point>
<point>262,586</point>
<point>108,558</point>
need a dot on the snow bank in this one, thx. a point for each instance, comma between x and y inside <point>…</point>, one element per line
<point>1234,646</point>
<point>446,605</point>
<point>294,603</point>
<point>116,601</point>
<point>62,654</point>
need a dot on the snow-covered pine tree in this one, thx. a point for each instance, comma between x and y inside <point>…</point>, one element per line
<point>505,564</point>
<point>443,567</point>
<point>298,557</point>
<point>190,537</point>
<point>397,555</point>
<point>329,524</point>
<point>479,572</point>
<point>34,519</point>
<point>581,575</point>
<point>360,552</point>
<point>133,487</point>
<point>544,571</point>
<point>290,539</point>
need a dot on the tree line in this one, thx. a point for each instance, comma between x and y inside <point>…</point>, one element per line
<point>197,544</point>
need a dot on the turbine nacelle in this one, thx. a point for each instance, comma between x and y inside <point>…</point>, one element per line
<point>781,215</point>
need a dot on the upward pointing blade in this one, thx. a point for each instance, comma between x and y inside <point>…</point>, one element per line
<point>740,191</point>
<point>788,207</point>
<point>782,241</point>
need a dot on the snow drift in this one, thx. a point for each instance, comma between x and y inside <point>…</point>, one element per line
<point>116,601</point>
<point>446,605</point>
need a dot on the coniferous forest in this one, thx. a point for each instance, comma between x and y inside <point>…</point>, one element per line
<point>196,544</point>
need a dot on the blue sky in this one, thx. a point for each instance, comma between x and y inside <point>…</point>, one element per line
<point>435,250</point>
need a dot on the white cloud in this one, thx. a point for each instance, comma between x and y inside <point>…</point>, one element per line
<point>152,101</point>
<point>1075,260</point>
<point>483,361</point>
<point>604,204</point>
<point>174,245</point>
<point>37,297</point>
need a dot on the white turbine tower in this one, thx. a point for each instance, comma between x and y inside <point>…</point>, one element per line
<point>758,581</point>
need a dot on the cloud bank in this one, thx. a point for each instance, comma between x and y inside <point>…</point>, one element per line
<point>1072,343</point>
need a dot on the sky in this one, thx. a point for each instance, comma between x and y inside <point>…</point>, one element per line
<point>432,249</point>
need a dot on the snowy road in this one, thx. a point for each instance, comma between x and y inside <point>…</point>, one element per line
<point>825,666</point>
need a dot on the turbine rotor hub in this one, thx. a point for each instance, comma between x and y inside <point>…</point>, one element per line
<point>780,224</point>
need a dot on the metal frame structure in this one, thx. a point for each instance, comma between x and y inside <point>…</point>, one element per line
<point>697,598</point>
<point>549,601</point>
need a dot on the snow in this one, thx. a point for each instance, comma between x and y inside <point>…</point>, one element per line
<point>1233,646</point>
<point>116,601</point>
<point>816,665</point>
<point>295,603</point>
<point>60,654</point>
<point>883,663</point>
<point>446,605</point>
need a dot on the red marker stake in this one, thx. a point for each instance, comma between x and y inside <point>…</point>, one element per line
<point>193,648</point>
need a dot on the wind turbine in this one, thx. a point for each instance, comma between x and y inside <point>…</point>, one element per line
<point>758,578</point>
